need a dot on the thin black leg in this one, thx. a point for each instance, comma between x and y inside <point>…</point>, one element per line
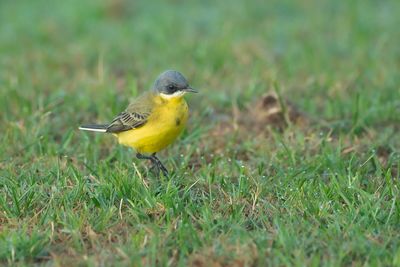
<point>156,163</point>
<point>141,156</point>
<point>153,162</point>
<point>160,165</point>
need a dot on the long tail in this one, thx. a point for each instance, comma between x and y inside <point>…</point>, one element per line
<point>101,128</point>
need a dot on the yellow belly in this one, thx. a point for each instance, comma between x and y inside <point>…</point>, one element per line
<point>167,121</point>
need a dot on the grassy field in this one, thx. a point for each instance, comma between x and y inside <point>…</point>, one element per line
<point>319,191</point>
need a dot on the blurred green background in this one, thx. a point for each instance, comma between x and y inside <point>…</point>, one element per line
<point>289,198</point>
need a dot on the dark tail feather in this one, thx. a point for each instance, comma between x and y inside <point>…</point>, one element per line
<point>101,128</point>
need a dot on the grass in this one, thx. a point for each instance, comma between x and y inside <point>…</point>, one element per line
<point>325,194</point>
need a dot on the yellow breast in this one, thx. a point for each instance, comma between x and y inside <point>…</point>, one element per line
<point>166,122</point>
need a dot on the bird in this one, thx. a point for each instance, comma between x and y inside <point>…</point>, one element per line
<point>152,121</point>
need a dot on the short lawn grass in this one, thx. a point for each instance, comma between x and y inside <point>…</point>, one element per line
<point>242,192</point>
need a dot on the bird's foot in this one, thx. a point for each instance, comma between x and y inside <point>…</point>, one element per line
<point>160,167</point>
<point>157,166</point>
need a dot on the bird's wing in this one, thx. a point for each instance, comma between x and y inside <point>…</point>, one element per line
<point>134,116</point>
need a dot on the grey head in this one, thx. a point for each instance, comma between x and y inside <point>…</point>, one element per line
<point>172,82</point>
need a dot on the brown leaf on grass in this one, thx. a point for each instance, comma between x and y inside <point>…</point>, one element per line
<point>269,110</point>
<point>272,111</point>
<point>256,120</point>
<point>383,154</point>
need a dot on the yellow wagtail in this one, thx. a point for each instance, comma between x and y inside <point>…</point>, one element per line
<point>153,120</point>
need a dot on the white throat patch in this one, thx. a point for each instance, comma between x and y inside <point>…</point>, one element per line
<point>176,94</point>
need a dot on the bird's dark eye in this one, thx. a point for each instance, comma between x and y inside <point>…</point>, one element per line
<point>171,88</point>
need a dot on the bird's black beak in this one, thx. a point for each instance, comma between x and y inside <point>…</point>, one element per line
<point>190,90</point>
